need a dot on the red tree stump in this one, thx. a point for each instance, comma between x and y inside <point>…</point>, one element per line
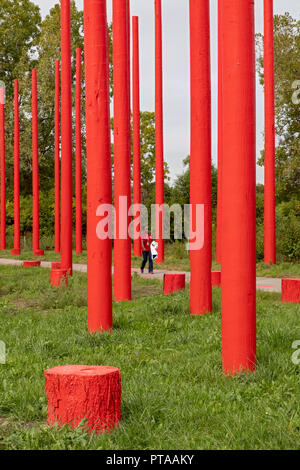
<point>290,290</point>
<point>216,278</point>
<point>173,283</point>
<point>59,277</point>
<point>15,252</point>
<point>39,253</point>
<point>31,264</point>
<point>75,393</point>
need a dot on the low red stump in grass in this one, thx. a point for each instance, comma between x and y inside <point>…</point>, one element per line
<point>31,264</point>
<point>14,252</point>
<point>290,290</point>
<point>59,277</point>
<point>39,253</point>
<point>173,283</point>
<point>77,393</point>
<point>216,278</point>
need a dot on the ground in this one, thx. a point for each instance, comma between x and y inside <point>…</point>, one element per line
<point>174,393</point>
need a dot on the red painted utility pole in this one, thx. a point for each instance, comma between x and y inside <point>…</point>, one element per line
<point>2,169</point>
<point>17,238</point>
<point>122,245</point>
<point>219,202</point>
<point>159,138</point>
<point>78,153</point>
<point>238,304</point>
<point>35,171</point>
<point>270,224</point>
<point>99,181</point>
<point>201,286</point>
<point>57,158</point>
<point>136,133</point>
<point>66,140</point>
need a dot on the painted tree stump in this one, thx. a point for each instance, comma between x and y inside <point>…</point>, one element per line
<point>290,290</point>
<point>77,393</point>
<point>31,264</point>
<point>173,283</point>
<point>216,278</point>
<point>58,277</point>
<point>15,252</point>
<point>39,253</point>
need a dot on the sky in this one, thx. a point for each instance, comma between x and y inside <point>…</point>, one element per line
<point>176,70</point>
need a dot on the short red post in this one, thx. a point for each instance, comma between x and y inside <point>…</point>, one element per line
<point>57,158</point>
<point>58,277</point>
<point>78,393</point>
<point>219,201</point>
<point>136,133</point>
<point>201,288</point>
<point>159,136</point>
<point>2,169</point>
<point>238,303</point>
<point>290,290</point>
<point>174,282</point>
<point>216,278</point>
<point>99,178</point>
<point>270,224</point>
<point>17,238</point>
<point>35,171</point>
<point>78,153</point>
<point>122,245</point>
<point>31,264</point>
<point>66,140</point>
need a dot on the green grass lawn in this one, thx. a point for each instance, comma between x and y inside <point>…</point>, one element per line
<point>174,393</point>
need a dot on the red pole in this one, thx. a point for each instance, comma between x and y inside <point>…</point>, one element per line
<point>99,182</point>
<point>17,238</point>
<point>159,145</point>
<point>57,158</point>
<point>78,153</point>
<point>122,245</point>
<point>35,170</point>
<point>2,169</point>
<point>238,304</point>
<point>219,202</point>
<point>270,224</point>
<point>136,132</point>
<point>66,139</point>
<point>201,286</point>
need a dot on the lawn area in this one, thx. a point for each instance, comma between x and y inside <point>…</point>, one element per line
<point>174,393</point>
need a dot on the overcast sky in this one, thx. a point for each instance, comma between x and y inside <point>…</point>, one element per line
<point>176,70</point>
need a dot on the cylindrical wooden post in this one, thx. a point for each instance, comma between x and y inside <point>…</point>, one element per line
<point>17,238</point>
<point>220,136</point>
<point>201,287</point>
<point>2,169</point>
<point>270,224</point>
<point>35,170</point>
<point>136,133</point>
<point>238,304</point>
<point>122,245</point>
<point>99,179</point>
<point>57,157</point>
<point>78,153</point>
<point>66,139</point>
<point>159,138</point>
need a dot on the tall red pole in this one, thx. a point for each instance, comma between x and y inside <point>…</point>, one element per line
<point>201,286</point>
<point>136,133</point>
<point>66,139</point>
<point>122,245</point>
<point>78,153</point>
<point>35,170</point>
<point>159,145</point>
<point>270,224</point>
<point>57,157</point>
<point>99,182</point>
<point>2,169</point>
<point>238,304</point>
<point>17,237</point>
<point>219,201</point>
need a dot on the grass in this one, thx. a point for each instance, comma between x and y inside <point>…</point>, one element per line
<point>174,393</point>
